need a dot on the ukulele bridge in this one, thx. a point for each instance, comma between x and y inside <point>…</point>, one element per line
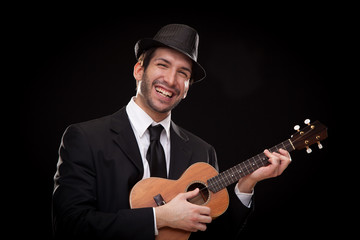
<point>159,200</point>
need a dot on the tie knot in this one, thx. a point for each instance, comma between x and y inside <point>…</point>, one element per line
<point>155,132</point>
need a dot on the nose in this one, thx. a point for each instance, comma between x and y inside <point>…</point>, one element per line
<point>170,77</point>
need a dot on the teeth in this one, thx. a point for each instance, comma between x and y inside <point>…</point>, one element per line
<point>164,92</point>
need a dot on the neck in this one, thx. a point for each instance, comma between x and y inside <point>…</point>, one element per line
<point>233,174</point>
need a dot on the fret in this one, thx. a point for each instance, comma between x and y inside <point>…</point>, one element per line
<point>287,145</point>
<point>263,159</point>
<point>234,175</point>
<point>284,147</point>
<point>222,183</point>
<point>244,167</point>
<point>273,149</point>
<point>257,161</point>
<point>227,180</point>
<point>221,180</point>
<point>252,164</point>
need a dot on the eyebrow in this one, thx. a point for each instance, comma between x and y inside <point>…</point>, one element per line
<point>168,62</point>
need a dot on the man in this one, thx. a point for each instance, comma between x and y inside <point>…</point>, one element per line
<point>101,160</point>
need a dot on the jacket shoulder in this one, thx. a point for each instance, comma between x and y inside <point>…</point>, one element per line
<point>96,128</point>
<point>190,137</point>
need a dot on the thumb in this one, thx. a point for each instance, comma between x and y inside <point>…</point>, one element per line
<point>191,194</point>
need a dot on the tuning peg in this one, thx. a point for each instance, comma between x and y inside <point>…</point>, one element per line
<point>308,150</point>
<point>296,128</point>
<point>307,121</point>
<point>320,146</point>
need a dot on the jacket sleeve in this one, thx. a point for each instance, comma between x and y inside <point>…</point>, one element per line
<point>75,212</point>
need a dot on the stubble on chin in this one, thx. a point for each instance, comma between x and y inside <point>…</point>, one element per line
<point>144,92</point>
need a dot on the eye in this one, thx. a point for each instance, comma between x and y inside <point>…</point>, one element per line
<point>162,65</point>
<point>183,74</point>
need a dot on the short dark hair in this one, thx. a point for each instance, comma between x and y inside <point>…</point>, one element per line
<point>146,56</point>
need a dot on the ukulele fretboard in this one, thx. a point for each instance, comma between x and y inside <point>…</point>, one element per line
<point>244,168</point>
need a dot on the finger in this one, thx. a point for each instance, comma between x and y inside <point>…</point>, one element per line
<point>204,210</point>
<point>205,219</point>
<point>200,226</point>
<point>273,158</point>
<point>191,194</point>
<point>284,161</point>
<point>284,152</point>
<point>284,156</point>
<point>268,153</point>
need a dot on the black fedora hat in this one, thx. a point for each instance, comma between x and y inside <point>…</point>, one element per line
<point>179,37</point>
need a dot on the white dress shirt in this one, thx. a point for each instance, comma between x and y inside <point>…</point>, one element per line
<point>140,121</point>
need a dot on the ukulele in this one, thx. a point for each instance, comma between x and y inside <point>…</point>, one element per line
<point>152,192</point>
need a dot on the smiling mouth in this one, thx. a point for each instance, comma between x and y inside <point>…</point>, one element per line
<point>164,92</point>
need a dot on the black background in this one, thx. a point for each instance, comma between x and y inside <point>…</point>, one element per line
<point>266,72</point>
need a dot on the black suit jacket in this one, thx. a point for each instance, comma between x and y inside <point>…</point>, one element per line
<point>100,162</point>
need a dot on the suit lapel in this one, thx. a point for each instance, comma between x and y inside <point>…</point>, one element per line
<point>180,154</point>
<point>125,138</point>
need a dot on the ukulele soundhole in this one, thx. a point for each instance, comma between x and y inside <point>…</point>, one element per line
<point>203,197</point>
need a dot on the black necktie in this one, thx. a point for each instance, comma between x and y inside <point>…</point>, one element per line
<point>155,154</point>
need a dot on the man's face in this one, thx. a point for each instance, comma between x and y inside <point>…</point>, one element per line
<point>165,82</point>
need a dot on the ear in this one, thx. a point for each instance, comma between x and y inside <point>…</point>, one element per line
<point>187,85</point>
<point>138,71</point>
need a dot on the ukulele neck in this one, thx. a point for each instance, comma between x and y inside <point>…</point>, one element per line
<point>244,168</point>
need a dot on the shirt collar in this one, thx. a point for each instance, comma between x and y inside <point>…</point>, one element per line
<point>141,120</point>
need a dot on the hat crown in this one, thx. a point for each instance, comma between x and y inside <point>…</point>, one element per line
<point>181,37</point>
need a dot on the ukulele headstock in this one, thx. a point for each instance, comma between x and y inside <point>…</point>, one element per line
<point>309,135</point>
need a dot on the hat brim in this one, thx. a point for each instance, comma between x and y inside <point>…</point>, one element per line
<point>142,45</point>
